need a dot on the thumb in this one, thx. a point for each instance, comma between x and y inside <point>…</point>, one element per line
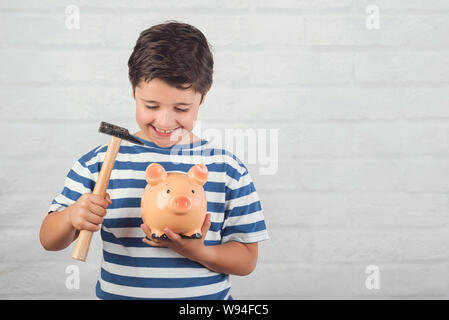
<point>108,198</point>
<point>206,225</point>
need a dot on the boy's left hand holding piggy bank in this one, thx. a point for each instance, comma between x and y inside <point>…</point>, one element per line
<point>193,249</point>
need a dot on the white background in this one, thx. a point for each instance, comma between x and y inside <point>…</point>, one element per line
<point>362,114</point>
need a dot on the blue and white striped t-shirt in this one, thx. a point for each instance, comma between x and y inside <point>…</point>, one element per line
<point>132,269</point>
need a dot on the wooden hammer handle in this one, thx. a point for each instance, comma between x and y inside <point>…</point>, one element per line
<point>83,242</point>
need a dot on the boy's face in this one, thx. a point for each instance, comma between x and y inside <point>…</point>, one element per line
<point>165,114</point>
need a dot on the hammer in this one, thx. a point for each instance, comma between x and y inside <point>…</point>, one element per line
<point>117,133</point>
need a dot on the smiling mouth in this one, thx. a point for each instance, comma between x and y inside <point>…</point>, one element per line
<point>163,131</point>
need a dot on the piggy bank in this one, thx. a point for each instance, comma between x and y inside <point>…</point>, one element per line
<point>174,200</point>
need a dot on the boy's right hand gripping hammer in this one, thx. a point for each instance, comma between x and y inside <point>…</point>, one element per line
<point>117,133</point>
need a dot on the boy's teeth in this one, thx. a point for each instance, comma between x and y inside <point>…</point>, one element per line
<point>163,131</point>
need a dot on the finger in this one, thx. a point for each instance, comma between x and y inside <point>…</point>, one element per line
<point>99,200</point>
<point>95,219</point>
<point>149,238</point>
<point>206,225</point>
<point>97,210</point>
<point>86,225</point>
<point>146,229</point>
<point>151,242</point>
<point>108,198</point>
<point>171,235</point>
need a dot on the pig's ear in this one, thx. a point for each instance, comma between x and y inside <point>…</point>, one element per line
<point>155,174</point>
<point>198,174</point>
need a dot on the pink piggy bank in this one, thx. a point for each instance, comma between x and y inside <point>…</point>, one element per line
<point>174,200</point>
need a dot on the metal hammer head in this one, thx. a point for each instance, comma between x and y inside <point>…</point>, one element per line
<point>118,132</point>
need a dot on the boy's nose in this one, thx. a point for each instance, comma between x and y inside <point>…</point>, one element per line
<point>164,120</point>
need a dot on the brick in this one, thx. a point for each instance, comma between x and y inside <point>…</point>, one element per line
<point>393,139</point>
<point>19,178</point>
<point>278,248</point>
<point>39,141</point>
<point>352,31</point>
<point>378,246</point>
<point>342,174</point>
<point>236,105</point>
<point>425,245</point>
<point>66,102</point>
<point>292,140</point>
<point>417,30</point>
<point>425,103</point>
<point>27,177</point>
<point>301,5</point>
<point>316,140</point>
<point>25,281</point>
<point>394,31</point>
<point>401,6</point>
<point>27,239</point>
<point>413,281</point>
<point>274,30</point>
<point>356,246</point>
<point>121,6</point>
<point>29,28</point>
<point>64,66</point>
<point>294,68</point>
<point>243,105</point>
<point>429,175</point>
<point>304,281</point>
<point>47,29</point>
<point>401,67</point>
<point>232,68</point>
<point>24,214</point>
<point>397,209</point>
<point>305,209</point>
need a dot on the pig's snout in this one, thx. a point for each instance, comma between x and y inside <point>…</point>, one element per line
<point>181,204</point>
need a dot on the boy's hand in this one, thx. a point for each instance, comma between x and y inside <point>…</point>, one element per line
<point>88,212</point>
<point>193,249</point>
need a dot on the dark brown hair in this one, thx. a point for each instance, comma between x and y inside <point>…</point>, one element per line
<point>175,52</point>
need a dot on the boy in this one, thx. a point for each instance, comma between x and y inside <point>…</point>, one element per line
<point>170,71</point>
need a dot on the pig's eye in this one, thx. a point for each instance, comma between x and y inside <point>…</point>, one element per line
<point>193,191</point>
<point>168,191</point>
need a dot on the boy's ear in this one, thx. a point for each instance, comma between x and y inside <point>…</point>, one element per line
<point>198,174</point>
<point>155,174</point>
<point>203,98</point>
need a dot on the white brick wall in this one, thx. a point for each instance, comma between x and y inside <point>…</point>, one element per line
<point>363,120</point>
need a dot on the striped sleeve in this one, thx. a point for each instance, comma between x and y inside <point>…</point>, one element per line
<point>244,220</point>
<point>79,181</point>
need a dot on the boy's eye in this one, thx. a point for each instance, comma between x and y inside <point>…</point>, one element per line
<point>177,109</point>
